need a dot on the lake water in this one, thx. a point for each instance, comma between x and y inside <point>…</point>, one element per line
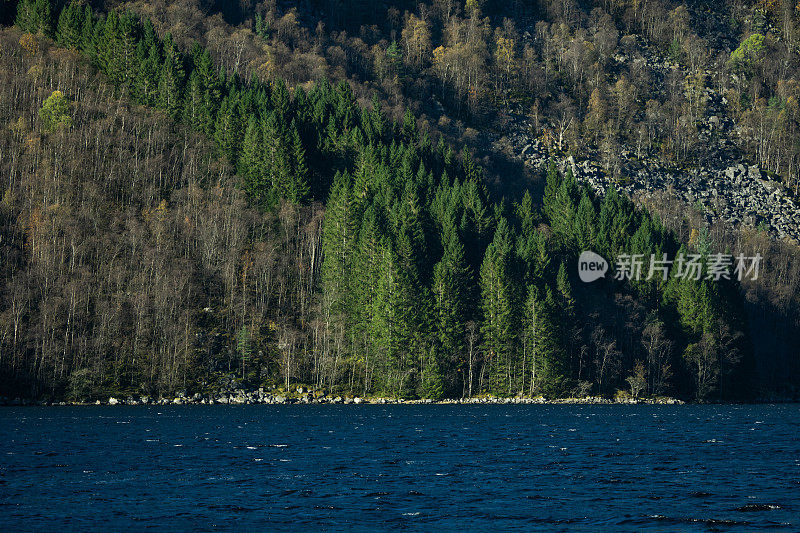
<point>418,467</point>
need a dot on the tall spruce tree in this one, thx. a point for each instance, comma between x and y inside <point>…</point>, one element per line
<point>338,243</point>
<point>171,80</point>
<point>542,337</point>
<point>70,26</point>
<point>35,16</point>
<point>449,286</point>
<point>298,189</point>
<point>498,302</point>
<point>250,165</point>
<point>87,31</point>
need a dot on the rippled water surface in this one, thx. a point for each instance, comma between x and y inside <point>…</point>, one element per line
<point>426,468</point>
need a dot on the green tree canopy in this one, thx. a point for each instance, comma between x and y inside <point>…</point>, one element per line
<point>55,112</point>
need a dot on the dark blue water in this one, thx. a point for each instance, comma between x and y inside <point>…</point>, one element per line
<point>426,468</point>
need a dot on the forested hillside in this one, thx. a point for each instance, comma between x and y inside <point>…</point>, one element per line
<point>181,205</point>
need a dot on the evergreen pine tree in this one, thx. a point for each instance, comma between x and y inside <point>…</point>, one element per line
<point>35,16</point>
<point>208,88</point>
<point>250,165</point>
<point>109,48</point>
<point>378,118</point>
<point>409,127</point>
<point>543,359</point>
<point>562,211</point>
<point>44,13</point>
<point>70,26</point>
<point>338,243</point>
<point>193,113</point>
<point>26,16</point>
<point>497,296</point>
<point>171,80</point>
<point>227,131</point>
<point>148,72</point>
<point>387,324</point>
<point>450,279</point>
<point>585,223</point>
<point>298,189</point>
<point>431,381</point>
<point>551,187</point>
<point>471,169</point>
<point>364,315</point>
<point>87,31</point>
<point>280,99</point>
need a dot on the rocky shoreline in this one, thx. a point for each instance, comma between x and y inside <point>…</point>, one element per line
<point>260,397</point>
<point>303,396</point>
<point>255,398</point>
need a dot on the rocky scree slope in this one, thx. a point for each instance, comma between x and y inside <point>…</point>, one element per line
<point>721,182</point>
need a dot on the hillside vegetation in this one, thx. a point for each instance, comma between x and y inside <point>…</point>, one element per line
<point>172,215</point>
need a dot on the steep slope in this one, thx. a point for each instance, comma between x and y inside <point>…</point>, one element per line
<point>130,258</point>
<point>415,283</point>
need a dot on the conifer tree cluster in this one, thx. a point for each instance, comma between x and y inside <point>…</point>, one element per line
<point>431,289</point>
<point>259,128</point>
